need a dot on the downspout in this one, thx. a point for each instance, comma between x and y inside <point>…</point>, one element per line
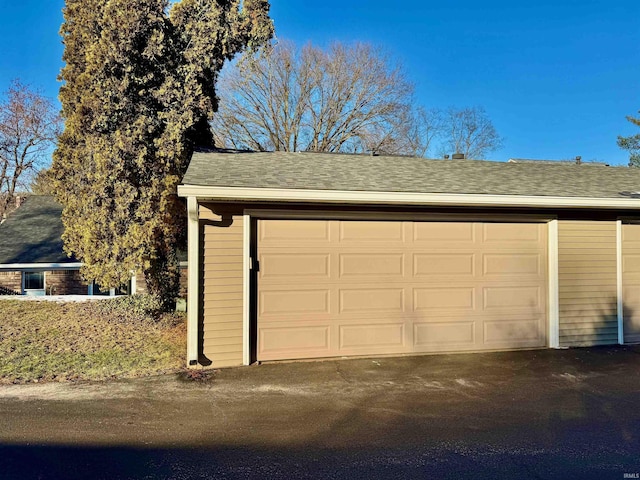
<point>193,313</point>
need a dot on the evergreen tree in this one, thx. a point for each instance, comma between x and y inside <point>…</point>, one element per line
<point>632,144</point>
<point>138,93</point>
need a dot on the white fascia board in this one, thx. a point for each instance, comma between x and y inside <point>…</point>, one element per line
<point>400,198</point>
<point>39,266</point>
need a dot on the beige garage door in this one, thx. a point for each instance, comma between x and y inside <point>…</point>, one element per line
<point>631,282</point>
<point>334,288</point>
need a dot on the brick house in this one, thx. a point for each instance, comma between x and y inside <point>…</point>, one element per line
<point>32,258</point>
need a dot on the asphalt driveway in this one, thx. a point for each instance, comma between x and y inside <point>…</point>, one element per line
<point>536,414</point>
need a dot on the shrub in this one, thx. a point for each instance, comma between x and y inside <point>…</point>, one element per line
<point>132,308</point>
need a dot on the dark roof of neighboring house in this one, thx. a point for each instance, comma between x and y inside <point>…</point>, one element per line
<point>32,233</point>
<point>365,173</point>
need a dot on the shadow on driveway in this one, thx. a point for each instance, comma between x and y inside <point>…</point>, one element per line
<point>24,462</point>
<point>535,414</point>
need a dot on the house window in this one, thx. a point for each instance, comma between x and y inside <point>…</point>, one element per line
<point>97,290</point>
<point>34,283</point>
<point>125,289</point>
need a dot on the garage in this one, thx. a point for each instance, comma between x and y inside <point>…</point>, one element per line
<point>301,255</point>
<point>330,288</point>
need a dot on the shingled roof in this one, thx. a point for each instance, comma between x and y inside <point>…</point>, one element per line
<point>32,233</point>
<point>364,173</point>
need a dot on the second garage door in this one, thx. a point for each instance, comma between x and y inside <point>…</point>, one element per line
<point>631,282</point>
<point>337,288</point>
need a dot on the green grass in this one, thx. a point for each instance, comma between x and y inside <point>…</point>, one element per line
<point>126,337</point>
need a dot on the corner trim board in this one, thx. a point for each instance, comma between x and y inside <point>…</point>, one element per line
<point>193,296</point>
<point>246,276</point>
<point>554,294</point>
<point>620,305</point>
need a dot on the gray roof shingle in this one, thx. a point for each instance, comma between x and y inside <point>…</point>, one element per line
<point>32,234</point>
<point>343,172</point>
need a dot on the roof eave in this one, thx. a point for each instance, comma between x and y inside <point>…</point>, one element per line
<point>210,193</point>
<point>39,266</point>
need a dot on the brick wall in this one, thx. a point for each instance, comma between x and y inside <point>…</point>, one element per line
<point>65,282</point>
<point>11,281</point>
<point>69,282</point>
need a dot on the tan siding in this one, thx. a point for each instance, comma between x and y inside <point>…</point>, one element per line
<point>222,289</point>
<point>588,283</point>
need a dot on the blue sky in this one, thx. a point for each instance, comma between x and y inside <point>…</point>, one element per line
<point>556,77</point>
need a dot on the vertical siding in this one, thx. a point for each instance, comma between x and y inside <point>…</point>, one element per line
<point>587,269</point>
<point>222,289</point>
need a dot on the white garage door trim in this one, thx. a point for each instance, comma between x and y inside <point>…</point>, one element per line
<point>620,288</point>
<point>553,285</point>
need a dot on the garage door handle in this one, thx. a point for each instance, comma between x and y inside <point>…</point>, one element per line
<point>254,265</point>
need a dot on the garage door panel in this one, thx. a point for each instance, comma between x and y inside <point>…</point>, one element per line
<point>444,264</point>
<point>365,299</point>
<point>504,233</point>
<point>294,302</point>
<point>511,332</point>
<point>513,264</point>
<point>287,265</point>
<point>372,336</point>
<point>444,334</point>
<point>364,265</point>
<point>631,295</point>
<point>280,232</point>
<point>512,298</point>
<point>631,234</point>
<point>449,298</point>
<point>401,287</point>
<point>444,234</point>
<point>631,264</point>
<point>372,232</point>
<point>631,282</point>
<point>633,322</point>
<point>281,342</point>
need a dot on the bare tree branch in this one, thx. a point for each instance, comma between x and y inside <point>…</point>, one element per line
<point>469,131</point>
<point>29,128</point>
<point>344,99</point>
<point>347,98</point>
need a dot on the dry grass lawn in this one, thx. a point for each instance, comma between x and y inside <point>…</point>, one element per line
<point>47,341</point>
